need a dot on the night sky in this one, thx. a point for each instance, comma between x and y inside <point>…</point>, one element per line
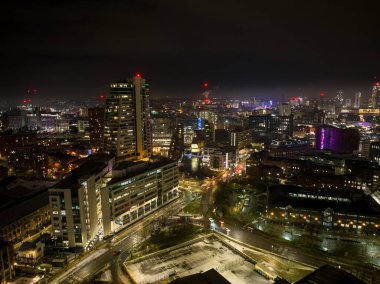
<point>76,48</point>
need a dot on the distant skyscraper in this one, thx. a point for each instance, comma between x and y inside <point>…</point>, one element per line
<point>339,98</point>
<point>127,130</point>
<point>96,125</point>
<point>374,101</point>
<point>358,96</point>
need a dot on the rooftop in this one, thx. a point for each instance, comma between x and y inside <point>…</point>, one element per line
<point>92,165</point>
<point>280,196</point>
<point>329,275</point>
<point>24,208</point>
<point>131,169</point>
<point>209,277</point>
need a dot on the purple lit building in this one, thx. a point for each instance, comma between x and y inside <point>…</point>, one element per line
<point>337,140</point>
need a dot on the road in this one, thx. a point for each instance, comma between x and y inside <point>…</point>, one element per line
<point>126,240</point>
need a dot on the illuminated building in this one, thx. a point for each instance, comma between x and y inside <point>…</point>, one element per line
<point>337,210</point>
<point>285,109</point>
<point>177,144</point>
<point>374,101</point>
<point>374,152</point>
<point>218,158</point>
<point>32,251</point>
<point>96,126</point>
<point>127,130</point>
<point>75,202</point>
<point>136,189</point>
<point>210,116</point>
<point>239,138</point>
<point>15,118</point>
<point>269,127</point>
<point>357,102</point>
<point>336,139</point>
<point>162,132</point>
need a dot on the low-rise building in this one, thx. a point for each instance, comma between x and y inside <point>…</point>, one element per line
<point>24,209</point>
<point>31,252</point>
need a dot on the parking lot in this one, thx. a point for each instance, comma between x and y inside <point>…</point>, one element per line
<point>195,258</point>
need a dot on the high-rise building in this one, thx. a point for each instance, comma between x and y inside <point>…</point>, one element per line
<point>177,143</point>
<point>96,125</point>
<point>127,131</point>
<point>339,99</point>
<point>285,109</point>
<point>358,96</point>
<point>374,101</point>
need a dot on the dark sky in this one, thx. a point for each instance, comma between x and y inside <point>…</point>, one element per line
<point>74,49</point>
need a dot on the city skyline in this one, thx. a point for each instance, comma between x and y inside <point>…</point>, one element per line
<point>74,50</point>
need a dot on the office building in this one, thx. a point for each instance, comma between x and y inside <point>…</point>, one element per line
<point>136,189</point>
<point>75,202</point>
<point>127,130</point>
<point>268,127</point>
<point>162,132</point>
<point>219,158</point>
<point>239,138</point>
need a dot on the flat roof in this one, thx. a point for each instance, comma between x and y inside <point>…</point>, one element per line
<point>92,165</point>
<point>141,167</point>
<point>24,208</point>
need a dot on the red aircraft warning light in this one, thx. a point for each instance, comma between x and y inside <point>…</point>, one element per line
<point>377,84</point>
<point>205,84</point>
<point>101,97</point>
<point>138,75</point>
<point>322,95</point>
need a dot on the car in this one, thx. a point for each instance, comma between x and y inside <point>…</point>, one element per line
<point>116,252</point>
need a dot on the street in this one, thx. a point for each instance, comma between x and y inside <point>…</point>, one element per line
<point>126,240</point>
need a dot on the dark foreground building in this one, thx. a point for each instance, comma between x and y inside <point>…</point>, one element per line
<point>329,275</point>
<point>209,277</point>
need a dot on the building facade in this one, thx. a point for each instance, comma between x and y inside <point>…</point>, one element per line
<point>338,140</point>
<point>127,129</point>
<point>75,202</point>
<point>137,189</point>
<point>96,127</point>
